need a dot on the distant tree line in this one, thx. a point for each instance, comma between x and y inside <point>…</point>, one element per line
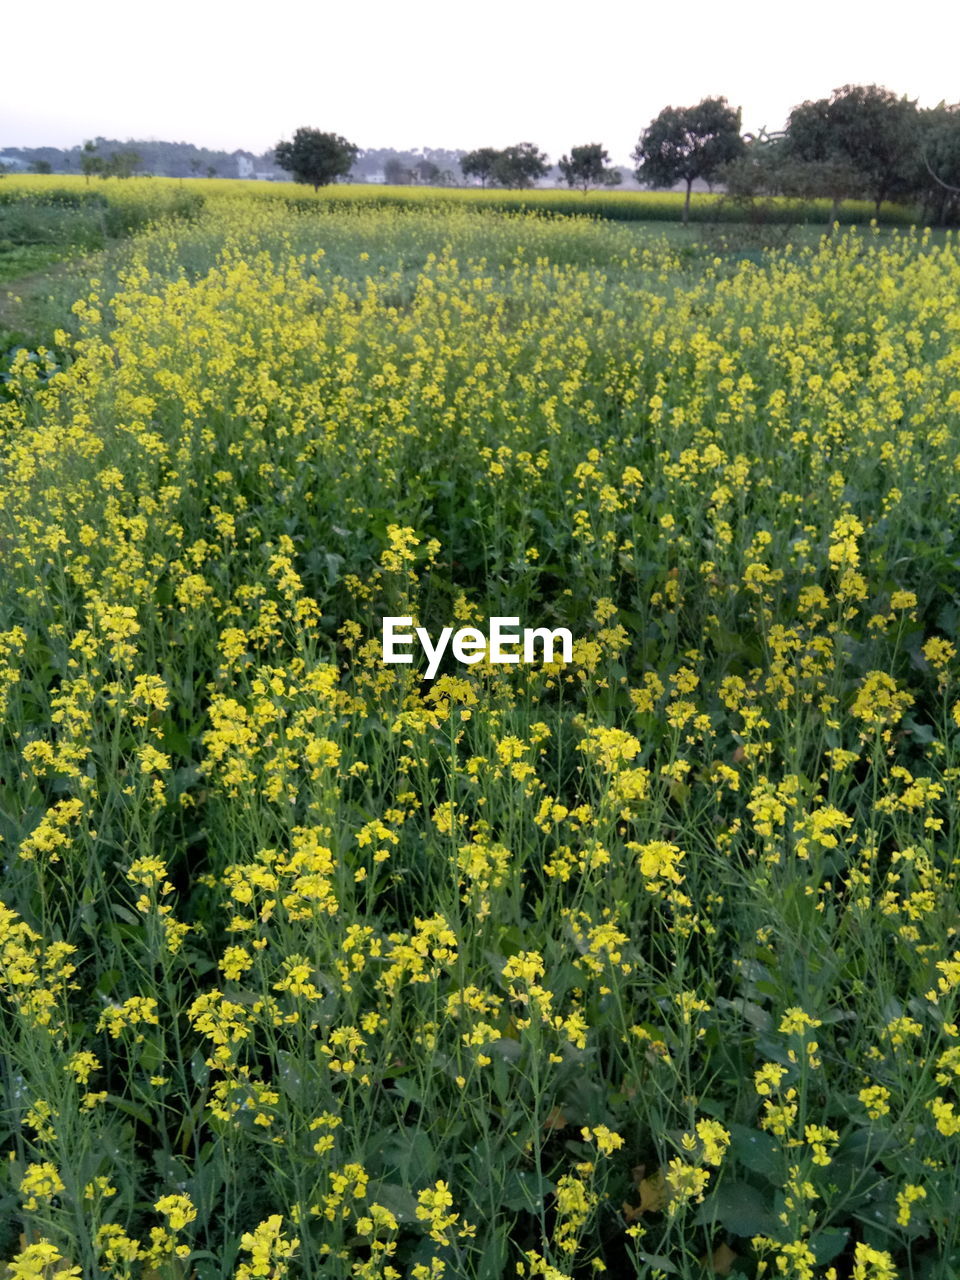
<point>421,172</point>
<point>863,142</point>
<point>427,166</point>
<point>162,159</point>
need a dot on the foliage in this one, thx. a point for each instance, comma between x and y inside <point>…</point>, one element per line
<point>373,160</point>
<point>122,164</point>
<point>864,136</point>
<point>588,166</point>
<point>519,166</point>
<point>940,163</point>
<point>396,173</point>
<point>769,174</point>
<point>621,206</point>
<point>315,157</point>
<point>159,157</point>
<point>480,164</point>
<point>90,162</point>
<point>423,171</point>
<point>427,171</point>
<point>684,144</point>
<point>310,967</point>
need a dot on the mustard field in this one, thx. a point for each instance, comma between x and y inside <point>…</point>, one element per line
<point>129,199</point>
<point>643,964</point>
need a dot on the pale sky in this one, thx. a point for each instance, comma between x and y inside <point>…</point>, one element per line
<point>442,74</point>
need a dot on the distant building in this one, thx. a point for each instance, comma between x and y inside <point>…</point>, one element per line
<point>247,168</point>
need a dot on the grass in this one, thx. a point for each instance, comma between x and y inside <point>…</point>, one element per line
<point>24,260</point>
<point>645,961</point>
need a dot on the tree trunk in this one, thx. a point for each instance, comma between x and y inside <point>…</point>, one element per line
<point>686,203</point>
<point>834,211</point>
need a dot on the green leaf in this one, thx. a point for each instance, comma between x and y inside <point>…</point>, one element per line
<point>501,1079</point>
<point>526,1191</point>
<point>658,1262</point>
<point>401,1202</point>
<point>126,915</point>
<point>827,1244</point>
<point>407,1089</point>
<point>131,1109</point>
<point>740,1208</point>
<point>755,1150</point>
<point>411,1154</point>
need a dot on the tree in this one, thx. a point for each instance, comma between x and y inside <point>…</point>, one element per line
<point>686,143</point>
<point>519,166</point>
<point>122,164</point>
<point>90,161</point>
<point>940,163</point>
<point>41,166</point>
<point>769,167</point>
<point>426,171</point>
<point>586,167</point>
<point>867,134</point>
<point>316,158</point>
<point>396,173</point>
<point>480,164</point>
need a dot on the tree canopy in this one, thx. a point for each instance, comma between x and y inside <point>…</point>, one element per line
<point>316,157</point>
<point>939,146</point>
<point>587,166</point>
<point>865,134</point>
<point>479,164</point>
<point>517,166</point>
<point>520,165</point>
<point>686,143</point>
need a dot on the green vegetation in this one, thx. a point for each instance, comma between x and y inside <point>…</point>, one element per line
<point>588,166</point>
<point>44,222</point>
<point>864,142</point>
<point>316,158</point>
<point>310,967</point>
<point>689,144</point>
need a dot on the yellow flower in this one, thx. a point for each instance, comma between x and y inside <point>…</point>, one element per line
<point>38,1261</point>
<point>177,1209</point>
<point>40,1182</point>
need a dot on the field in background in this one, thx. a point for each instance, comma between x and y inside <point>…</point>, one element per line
<point>621,206</point>
<point>647,963</point>
<point>48,221</point>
